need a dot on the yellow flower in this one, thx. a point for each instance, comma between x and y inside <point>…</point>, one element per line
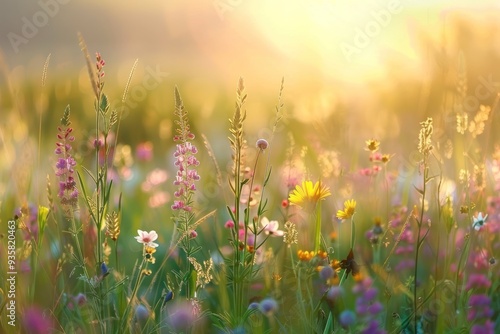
<point>349,208</point>
<point>307,195</point>
<point>372,145</point>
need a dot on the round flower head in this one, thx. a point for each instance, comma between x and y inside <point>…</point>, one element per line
<point>147,238</point>
<point>347,318</point>
<point>326,273</point>
<point>141,314</point>
<point>268,306</point>
<point>262,144</point>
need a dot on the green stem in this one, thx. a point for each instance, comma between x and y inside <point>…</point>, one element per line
<point>353,232</point>
<point>419,223</point>
<point>317,235</point>
<point>34,261</point>
<point>123,320</point>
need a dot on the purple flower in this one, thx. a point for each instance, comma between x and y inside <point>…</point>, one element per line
<point>30,216</point>
<point>334,293</point>
<point>477,281</point>
<point>68,193</point>
<point>185,159</point>
<point>326,273</point>
<point>347,318</point>
<point>479,300</point>
<point>268,306</point>
<point>141,314</point>
<point>367,306</point>
<point>253,306</point>
<point>487,328</point>
<point>181,316</point>
<point>80,299</point>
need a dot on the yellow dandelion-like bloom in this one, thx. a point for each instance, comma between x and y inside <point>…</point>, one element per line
<point>372,145</point>
<point>386,158</point>
<point>308,194</point>
<point>349,208</point>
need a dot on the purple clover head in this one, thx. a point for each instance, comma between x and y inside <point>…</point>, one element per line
<point>268,306</point>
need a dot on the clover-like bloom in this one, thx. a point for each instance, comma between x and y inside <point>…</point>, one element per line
<point>271,227</point>
<point>308,194</point>
<point>479,221</point>
<point>147,238</point>
<point>349,209</point>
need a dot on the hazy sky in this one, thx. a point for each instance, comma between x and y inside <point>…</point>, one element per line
<point>312,42</point>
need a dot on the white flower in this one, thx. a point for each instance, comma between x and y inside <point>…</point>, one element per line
<point>479,221</point>
<point>147,238</point>
<point>271,227</point>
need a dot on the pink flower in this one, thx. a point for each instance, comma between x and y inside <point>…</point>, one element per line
<point>147,238</point>
<point>271,227</point>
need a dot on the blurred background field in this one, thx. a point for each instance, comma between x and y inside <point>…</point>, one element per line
<point>406,70</point>
<point>340,89</point>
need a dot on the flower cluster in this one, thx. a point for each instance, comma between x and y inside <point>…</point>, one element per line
<point>290,236</point>
<point>306,256</point>
<point>267,306</point>
<point>186,174</point>
<point>479,303</point>
<point>185,160</point>
<point>376,158</point>
<point>100,71</point>
<point>68,193</point>
<point>425,137</point>
<point>368,308</point>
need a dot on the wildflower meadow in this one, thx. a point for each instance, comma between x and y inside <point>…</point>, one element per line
<point>122,211</point>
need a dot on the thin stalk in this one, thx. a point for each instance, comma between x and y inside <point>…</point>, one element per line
<point>123,320</point>
<point>98,207</point>
<point>34,261</point>
<point>317,233</point>
<point>417,253</point>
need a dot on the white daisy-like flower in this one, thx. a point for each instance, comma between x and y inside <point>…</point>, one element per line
<point>479,221</point>
<point>271,227</point>
<point>147,238</point>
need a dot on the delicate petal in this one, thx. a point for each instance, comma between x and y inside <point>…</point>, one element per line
<point>308,194</point>
<point>349,209</point>
<point>147,238</point>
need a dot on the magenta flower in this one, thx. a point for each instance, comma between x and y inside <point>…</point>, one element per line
<point>147,238</point>
<point>229,224</point>
<point>477,281</point>
<point>144,151</point>
<point>35,321</point>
